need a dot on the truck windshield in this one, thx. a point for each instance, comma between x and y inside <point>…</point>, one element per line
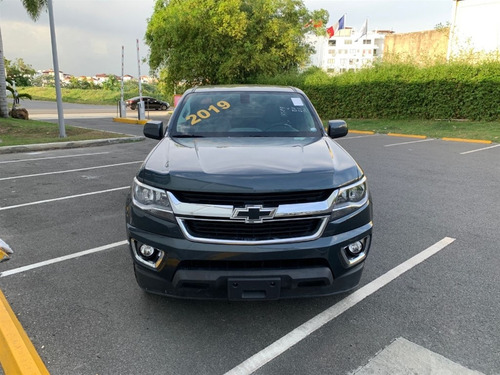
<point>245,114</point>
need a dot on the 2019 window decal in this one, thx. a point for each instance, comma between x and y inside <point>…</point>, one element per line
<point>203,114</point>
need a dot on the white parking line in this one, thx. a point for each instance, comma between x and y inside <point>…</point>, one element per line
<point>62,198</point>
<point>70,170</point>
<point>53,157</point>
<point>479,149</point>
<point>407,143</point>
<point>298,334</point>
<point>356,137</point>
<point>60,259</point>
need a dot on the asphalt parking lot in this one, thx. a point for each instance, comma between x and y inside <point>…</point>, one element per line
<point>71,283</point>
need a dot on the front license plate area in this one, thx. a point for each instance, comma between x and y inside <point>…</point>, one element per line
<point>253,289</point>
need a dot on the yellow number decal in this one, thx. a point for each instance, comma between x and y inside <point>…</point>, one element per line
<point>203,113</point>
<point>213,108</point>
<point>193,118</point>
<point>223,104</point>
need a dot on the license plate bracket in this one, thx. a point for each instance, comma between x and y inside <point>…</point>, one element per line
<point>254,289</point>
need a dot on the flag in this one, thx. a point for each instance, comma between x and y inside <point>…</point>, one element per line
<point>330,31</point>
<point>339,25</point>
<point>363,31</point>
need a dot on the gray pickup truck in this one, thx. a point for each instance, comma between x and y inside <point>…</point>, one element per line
<point>248,197</point>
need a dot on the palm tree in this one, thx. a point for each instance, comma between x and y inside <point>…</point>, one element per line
<point>34,9</point>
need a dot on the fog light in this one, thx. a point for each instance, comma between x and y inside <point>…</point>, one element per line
<point>355,252</point>
<point>355,248</point>
<point>147,255</point>
<point>147,250</point>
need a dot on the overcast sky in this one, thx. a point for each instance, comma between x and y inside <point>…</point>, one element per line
<point>90,33</point>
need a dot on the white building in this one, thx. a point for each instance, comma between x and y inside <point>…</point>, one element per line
<point>347,51</point>
<point>475,28</point>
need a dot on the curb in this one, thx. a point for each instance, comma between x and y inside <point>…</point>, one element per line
<point>67,145</point>
<point>467,140</point>
<point>127,120</point>
<point>361,132</point>
<point>17,354</point>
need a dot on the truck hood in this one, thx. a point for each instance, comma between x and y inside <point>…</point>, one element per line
<point>248,165</point>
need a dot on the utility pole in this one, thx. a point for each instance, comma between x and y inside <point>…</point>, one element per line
<point>140,108</point>
<point>60,115</point>
<point>122,103</point>
<point>452,36</point>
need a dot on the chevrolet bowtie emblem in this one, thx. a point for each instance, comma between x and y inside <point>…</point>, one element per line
<point>253,214</point>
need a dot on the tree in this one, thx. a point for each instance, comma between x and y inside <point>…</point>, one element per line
<point>228,41</point>
<point>111,83</point>
<point>20,72</point>
<point>34,9</point>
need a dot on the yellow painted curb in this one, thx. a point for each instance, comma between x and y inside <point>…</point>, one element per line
<point>361,132</point>
<point>129,120</point>
<point>467,140</point>
<point>18,356</point>
<point>407,135</point>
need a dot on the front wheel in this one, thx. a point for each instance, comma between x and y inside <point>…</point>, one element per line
<point>163,107</point>
<point>133,107</point>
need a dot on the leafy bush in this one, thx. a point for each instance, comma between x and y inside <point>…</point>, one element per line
<point>456,90</point>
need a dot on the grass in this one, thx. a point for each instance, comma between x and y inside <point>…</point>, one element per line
<point>23,132</point>
<point>99,97</point>
<point>489,131</point>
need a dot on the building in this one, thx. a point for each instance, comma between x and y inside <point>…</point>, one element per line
<point>348,50</point>
<point>419,48</point>
<point>475,30</point>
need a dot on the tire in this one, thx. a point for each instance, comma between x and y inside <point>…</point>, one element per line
<point>163,107</point>
<point>133,106</point>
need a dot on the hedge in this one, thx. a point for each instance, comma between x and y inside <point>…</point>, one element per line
<point>400,91</point>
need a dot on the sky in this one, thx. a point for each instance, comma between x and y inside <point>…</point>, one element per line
<point>90,33</point>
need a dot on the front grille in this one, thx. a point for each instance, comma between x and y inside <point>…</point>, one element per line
<point>224,265</point>
<point>264,199</point>
<point>266,231</point>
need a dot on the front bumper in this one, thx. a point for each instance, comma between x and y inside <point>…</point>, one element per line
<point>240,272</point>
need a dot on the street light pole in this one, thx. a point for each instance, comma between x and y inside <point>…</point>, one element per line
<point>60,115</point>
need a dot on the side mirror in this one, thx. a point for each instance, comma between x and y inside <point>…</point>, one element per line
<point>153,129</point>
<point>337,128</point>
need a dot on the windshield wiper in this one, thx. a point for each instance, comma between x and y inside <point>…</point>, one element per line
<point>187,136</point>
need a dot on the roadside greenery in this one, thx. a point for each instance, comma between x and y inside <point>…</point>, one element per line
<point>195,42</point>
<point>456,90</point>
<point>91,96</point>
<point>483,130</point>
<point>23,132</point>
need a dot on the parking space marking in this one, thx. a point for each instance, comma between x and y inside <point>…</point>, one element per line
<point>298,334</point>
<point>61,259</point>
<point>62,198</point>
<point>479,149</point>
<point>52,157</point>
<point>407,143</point>
<point>358,136</point>
<point>70,170</point>
<point>405,357</point>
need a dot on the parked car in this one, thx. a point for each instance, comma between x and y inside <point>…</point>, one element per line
<point>149,103</point>
<point>248,197</point>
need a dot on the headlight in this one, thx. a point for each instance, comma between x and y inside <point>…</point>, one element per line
<point>350,198</point>
<point>151,199</point>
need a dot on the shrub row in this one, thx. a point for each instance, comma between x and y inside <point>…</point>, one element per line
<point>401,91</point>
